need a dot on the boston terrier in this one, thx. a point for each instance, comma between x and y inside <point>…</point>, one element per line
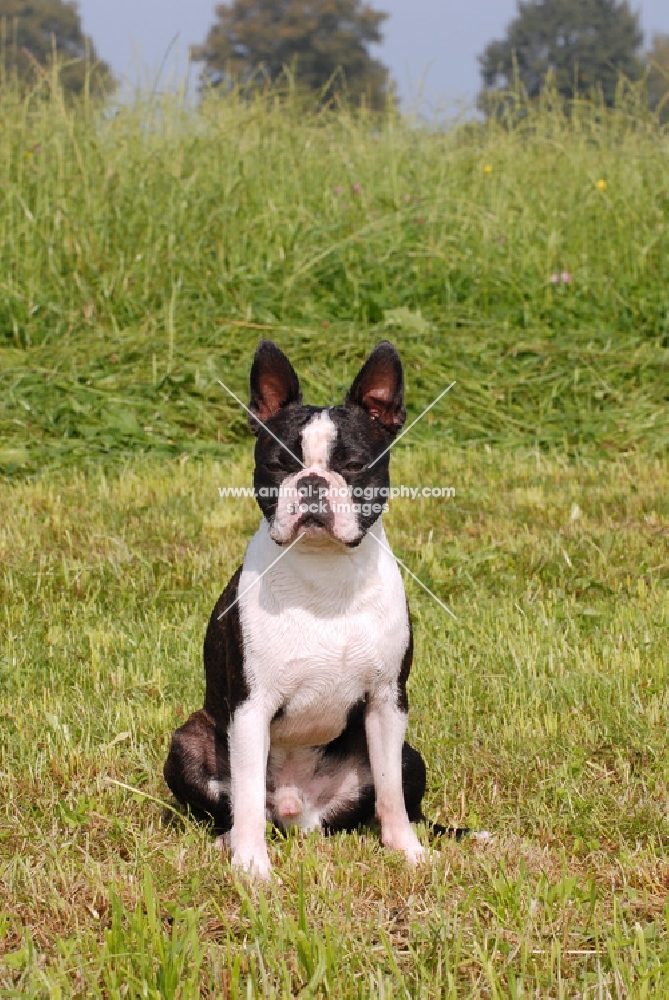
<point>309,647</point>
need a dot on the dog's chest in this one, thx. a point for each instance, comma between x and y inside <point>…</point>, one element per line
<point>319,634</point>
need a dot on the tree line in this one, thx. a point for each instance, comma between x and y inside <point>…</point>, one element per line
<point>578,47</point>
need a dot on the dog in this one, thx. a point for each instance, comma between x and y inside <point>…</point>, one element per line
<point>309,647</point>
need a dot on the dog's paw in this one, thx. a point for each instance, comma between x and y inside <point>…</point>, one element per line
<point>406,841</point>
<point>414,853</point>
<point>253,863</point>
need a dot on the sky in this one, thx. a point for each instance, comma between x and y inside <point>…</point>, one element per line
<point>430,46</point>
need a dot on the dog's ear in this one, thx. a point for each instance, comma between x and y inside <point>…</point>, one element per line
<point>274,383</point>
<point>379,387</point>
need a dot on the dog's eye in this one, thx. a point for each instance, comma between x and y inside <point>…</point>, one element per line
<point>354,467</point>
<point>274,467</point>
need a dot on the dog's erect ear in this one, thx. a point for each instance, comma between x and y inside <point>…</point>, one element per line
<point>274,383</point>
<point>379,387</point>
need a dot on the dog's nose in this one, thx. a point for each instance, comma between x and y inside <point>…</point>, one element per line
<point>312,486</point>
<point>315,508</point>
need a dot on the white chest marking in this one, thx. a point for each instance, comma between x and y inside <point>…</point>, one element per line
<point>324,627</point>
<point>318,438</point>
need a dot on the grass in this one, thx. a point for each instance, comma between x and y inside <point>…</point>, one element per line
<point>142,256</point>
<point>541,712</point>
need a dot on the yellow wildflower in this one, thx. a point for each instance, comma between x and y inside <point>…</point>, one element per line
<point>487,169</point>
<point>601,184</point>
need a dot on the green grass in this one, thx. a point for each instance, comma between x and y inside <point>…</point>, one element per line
<point>141,257</point>
<point>541,713</point>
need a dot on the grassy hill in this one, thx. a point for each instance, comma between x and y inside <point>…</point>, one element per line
<point>142,255</point>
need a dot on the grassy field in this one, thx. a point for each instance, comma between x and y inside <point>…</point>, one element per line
<point>141,258</point>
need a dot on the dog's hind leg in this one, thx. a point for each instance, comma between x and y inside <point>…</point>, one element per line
<point>197,770</point>
<point>352,801</point>
<point>359,811</point>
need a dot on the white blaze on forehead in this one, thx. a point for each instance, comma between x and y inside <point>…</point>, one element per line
<point>317,440</point>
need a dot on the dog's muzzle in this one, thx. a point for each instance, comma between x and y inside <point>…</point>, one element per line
<point>315,510</point>
<point>315,503</point>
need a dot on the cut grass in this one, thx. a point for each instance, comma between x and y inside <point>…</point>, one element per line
<point>581,393</point>
<point>541,714</point>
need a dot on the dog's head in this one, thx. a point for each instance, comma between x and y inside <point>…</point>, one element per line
<point>318,470</point>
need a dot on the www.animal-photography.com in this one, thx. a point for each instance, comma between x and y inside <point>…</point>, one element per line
<point>334,479</point>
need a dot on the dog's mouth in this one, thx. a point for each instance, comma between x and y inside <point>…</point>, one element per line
<point>314,525</point>
<point>310,528</point>
<point>313,528</point>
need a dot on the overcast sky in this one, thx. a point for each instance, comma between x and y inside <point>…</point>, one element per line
<point>430,45</point>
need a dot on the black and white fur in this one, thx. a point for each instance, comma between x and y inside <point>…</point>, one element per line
<point>305,708</point>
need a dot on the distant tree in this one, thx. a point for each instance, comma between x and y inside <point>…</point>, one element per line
<point>658,75</point>
<point>315,38</point>
<point>31,29</point>
<point>583,44</point>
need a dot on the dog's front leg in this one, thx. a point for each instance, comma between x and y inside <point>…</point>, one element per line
<point>385,726</point>
<point>248,737</point>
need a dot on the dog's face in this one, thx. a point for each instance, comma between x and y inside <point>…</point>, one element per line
<point>316,472</point>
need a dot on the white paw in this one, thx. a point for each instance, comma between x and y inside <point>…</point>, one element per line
<point>407,842</point>
<point>254,862</point>
<point>414,853</point>
<point>257,867</point>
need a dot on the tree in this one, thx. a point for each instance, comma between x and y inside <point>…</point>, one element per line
<point>315,38</point>
<point>658,75</point>
<point>584,45</point>
<point>33,29</point>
